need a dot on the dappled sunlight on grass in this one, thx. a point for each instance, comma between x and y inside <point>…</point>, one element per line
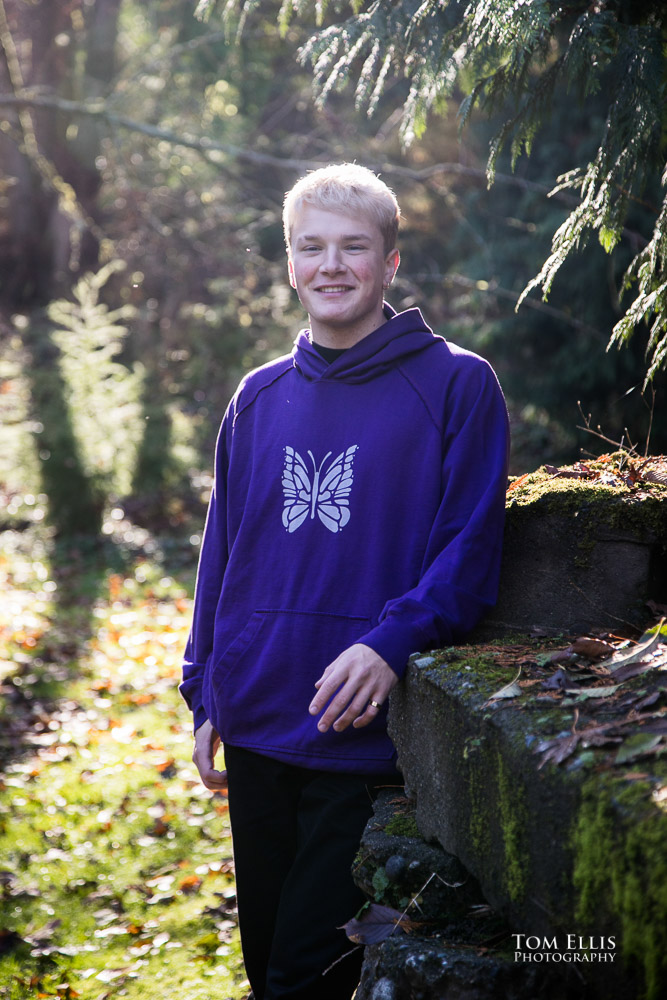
<point>116,865</point>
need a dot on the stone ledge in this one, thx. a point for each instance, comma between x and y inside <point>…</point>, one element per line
<point>421,969</point>
<point>579,555</point>
<point>458,947</point>
<point>571,849</point>
<point>395,866</point>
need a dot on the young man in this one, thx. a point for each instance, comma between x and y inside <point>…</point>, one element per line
<point>356,518</point>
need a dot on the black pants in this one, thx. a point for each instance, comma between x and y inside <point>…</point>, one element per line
<point>296,832</point>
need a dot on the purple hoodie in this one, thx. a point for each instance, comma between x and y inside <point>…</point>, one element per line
<point>357,501</point>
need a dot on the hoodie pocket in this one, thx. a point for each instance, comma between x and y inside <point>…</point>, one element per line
<point>237,647</point>
<point>265,680</point>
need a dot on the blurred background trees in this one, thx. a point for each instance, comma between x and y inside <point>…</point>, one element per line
<point>143,159</point>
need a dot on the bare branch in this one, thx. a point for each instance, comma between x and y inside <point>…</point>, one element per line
<point>205,145</point>
<point>201,143</point>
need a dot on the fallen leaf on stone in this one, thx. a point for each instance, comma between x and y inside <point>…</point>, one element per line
<point>190,884</point>
<point>592,649</point>
<point>657,724</point>
<point>561,655</point>
<point>560,681</point>
<point>519,481</point>
<point>376,924</point>
<point>660,629</point>
<point>639,652</point>
<point>511,690</point>
<point>624,673</point>
<point>656,476</point>
<point>110,975</point>
<point>593,692</point>
<point>558,749</point>
<point>650,699</point>
<point>636,746</point>
<point>579,471</point>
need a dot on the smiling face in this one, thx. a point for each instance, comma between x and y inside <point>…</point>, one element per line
<point>339,268</point>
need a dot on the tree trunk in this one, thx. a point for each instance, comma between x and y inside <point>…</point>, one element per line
<point>46,237</point>
<point>49,185</point>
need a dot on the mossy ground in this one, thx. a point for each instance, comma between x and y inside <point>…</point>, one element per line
<point>117,878</point>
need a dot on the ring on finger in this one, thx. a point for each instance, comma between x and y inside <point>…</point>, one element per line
<point>375,704</point>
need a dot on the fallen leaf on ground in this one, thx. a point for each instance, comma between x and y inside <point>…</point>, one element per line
<point>512,690</point>
<point>624,673</point>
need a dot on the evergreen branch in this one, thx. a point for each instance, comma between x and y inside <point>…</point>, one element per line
<point>201,143</point>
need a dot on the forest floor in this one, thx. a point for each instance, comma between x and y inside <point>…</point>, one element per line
<point>116,871</point>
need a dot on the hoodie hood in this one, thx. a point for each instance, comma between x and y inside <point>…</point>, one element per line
<point>403,334</point>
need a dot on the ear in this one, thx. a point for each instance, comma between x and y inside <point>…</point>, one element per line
<point>391,262</point>
<point>290,271</point>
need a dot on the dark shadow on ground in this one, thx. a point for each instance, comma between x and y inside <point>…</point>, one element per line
<point>39,677</point>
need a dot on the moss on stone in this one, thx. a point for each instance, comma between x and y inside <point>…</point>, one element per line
<point>620,872</point>
<point>641,508</point>
<point>480,833</point>
<point>513,825</point>
<point>485,673</point>
<point>380,884</point>
<point>402,825</point>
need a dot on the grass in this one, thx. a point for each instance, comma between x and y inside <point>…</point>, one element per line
<point>116,872</point>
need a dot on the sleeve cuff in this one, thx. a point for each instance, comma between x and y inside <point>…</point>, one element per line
<point>394,641</point>
<point>191,691</point>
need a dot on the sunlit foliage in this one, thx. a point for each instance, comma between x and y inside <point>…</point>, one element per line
<point>103,394</point>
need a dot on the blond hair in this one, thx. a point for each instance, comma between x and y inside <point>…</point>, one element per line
<point>349,189</point>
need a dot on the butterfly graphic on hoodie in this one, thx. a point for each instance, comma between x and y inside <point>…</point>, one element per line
<point>324,491</point>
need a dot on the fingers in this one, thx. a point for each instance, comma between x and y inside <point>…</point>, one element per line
<point>372,710</point>
<point>342,711</point>
<point>353,669</point>
<point>207,743</point>
<point>215,781</point>
<point>355,686</point>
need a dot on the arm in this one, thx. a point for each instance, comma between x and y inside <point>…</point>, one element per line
<point>459,578</point>
<point>210,572</point>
